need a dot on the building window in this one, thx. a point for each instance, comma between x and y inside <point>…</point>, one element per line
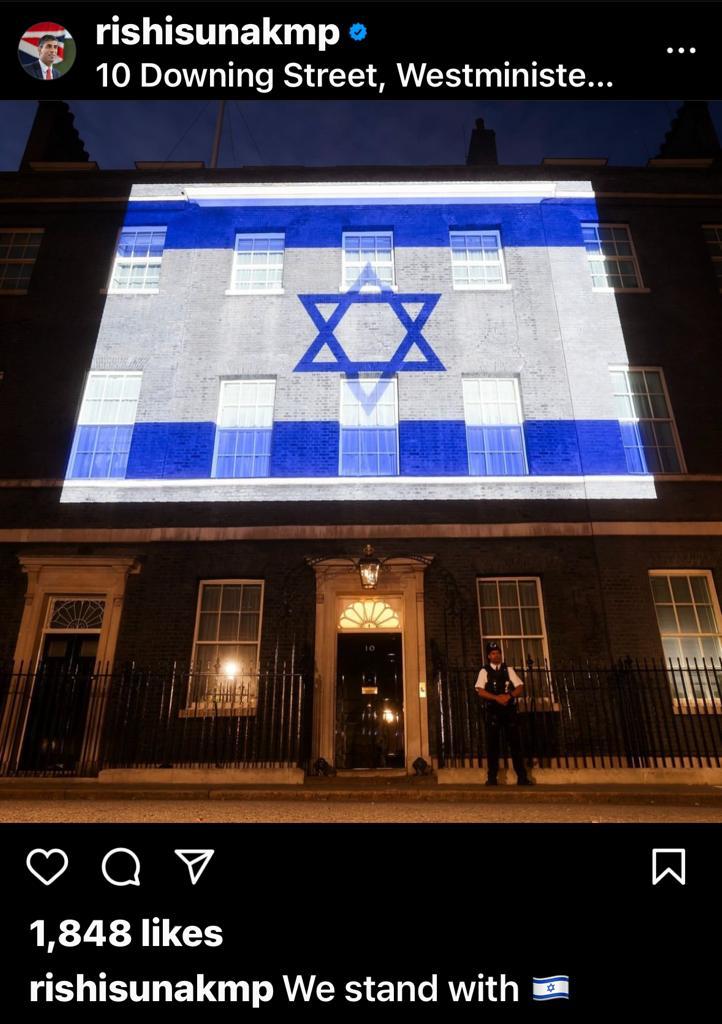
<point>226,643</point>
<point>688,617</point>
<point>477,261</point>
<point>713,237</point>
<point>511,613</point>
<point>105,425</point>
<point>258,264</point>
<point>494,434</point>
<point>369,428</point>
<point>612,259</point>
<point>649,434</point>
<point>137,260</point>
<point>245,427</point>
<point>368,260</point>
<point>18,252</point>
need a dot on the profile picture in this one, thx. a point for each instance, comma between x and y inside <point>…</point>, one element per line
<point>46,51</point>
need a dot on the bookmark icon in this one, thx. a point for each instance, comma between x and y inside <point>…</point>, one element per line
<point>196,861</point>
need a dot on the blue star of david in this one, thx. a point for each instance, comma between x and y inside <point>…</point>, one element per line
<point>341,363</point>
<point>550,986</point>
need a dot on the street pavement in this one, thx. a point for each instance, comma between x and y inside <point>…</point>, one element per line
<point>293,811</point>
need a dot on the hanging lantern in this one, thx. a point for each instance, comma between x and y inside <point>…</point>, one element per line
<point>369,567</point>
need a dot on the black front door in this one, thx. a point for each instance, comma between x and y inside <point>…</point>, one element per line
<point>59,702</point>
<point>369,701</point>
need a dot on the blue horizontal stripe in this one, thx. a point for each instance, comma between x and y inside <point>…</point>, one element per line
<point>433,448</point>
<point>551,223</point>
<point>574,447</point>
<point>171,450</point>
<point>554,978</point>
<point>551,995</point>
<point>306,448</point>
<point>310,448</point>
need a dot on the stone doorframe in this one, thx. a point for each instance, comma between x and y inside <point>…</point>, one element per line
<point>51,576</point>
<point>403,580</point>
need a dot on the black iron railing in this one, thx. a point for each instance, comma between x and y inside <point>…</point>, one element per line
<point>633,715</point>
<point>77,723</point>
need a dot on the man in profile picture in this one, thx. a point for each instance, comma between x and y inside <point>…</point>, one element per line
<point>47,52</point>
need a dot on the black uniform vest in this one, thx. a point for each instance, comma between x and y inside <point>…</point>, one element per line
<point>497,678</point>
<point>498,682</point>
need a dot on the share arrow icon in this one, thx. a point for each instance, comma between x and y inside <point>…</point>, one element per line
<point>196,861</point>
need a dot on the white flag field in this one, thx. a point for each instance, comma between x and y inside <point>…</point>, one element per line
<point>556,987</point>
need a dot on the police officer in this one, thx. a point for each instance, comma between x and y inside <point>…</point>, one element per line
<point>498,685</point>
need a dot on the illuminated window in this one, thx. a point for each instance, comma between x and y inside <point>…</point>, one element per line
<point>369,427</point>
<point>245,427</point>
<point>689,626</point>
<point>258,264</point>
<point>649,435</point>
<point>713,237</point>
<point>226,642</point>
<point>368,614</point>
<point>494,433</point>
<point>612,259</point>
<point>368,260</point>
<point>476,260</point>
<point>511,613</point>
<point>18,251</point>
<point>137,260</point>
<point>105,425</point>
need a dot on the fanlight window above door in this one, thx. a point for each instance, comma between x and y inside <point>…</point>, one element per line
<point>369,614</point>
<point>76,613</point>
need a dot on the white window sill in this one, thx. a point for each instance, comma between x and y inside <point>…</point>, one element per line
<point>256,291</point>
<point>482,288</point>
<point>207,709</point>
<point>129,291</point>
<point>698,706</point>
<point>622,291</point>
<point>529,705</point>
<point>368,289</point>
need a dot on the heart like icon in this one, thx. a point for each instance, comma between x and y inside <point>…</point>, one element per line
<point>47,854</point>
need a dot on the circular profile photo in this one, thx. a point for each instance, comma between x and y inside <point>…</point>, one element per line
<point>46,51</point>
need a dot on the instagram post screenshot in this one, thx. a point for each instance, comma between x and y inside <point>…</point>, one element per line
<point>360,510</point>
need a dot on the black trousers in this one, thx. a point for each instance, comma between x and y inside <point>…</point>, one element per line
<point>505,725</point>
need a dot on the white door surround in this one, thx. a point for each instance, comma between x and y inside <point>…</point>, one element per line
<point>401,585</point>
<point>49,576</point>
<point>52,576</point>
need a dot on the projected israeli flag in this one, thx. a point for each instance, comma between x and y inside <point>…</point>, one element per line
<point>556,987</point>
<point>350,341</point>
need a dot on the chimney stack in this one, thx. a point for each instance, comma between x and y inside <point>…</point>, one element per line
<point>53,136</point>
<point>691,135</point>
<point>482,147</point>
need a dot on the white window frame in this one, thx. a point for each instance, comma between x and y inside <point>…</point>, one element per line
<point>8,261</point>
<point>640,288</point>
<point>84,421</point>
<point>675,433</point>
<point>715,259</point>
<point>544,701</point>
<point>540,601</point>
<point>689,705</point>
<point>223,384</point>
<point>135,260</point>
<point>247,703</point>
<point>479,286</point>
<point>372,289</point>
<point>520,424</point>
<point>385,476</point>
<point>235,266</point>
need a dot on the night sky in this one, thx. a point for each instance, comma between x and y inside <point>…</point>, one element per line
<point>353,132</point>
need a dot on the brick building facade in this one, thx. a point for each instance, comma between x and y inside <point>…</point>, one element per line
<point>219,386</point>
